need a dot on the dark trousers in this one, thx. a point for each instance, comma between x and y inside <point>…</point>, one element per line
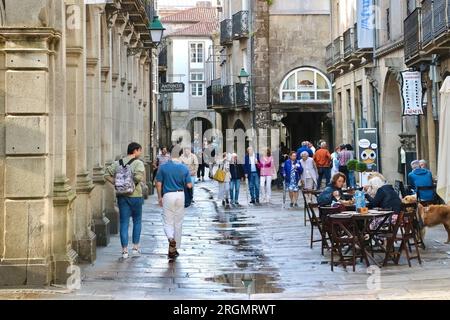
<point>324,172</point>
<point>201,170</point>
<point>344,170</point>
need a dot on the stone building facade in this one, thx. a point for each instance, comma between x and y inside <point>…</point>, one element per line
<point>76,89</point>
<point>282,47</point>
<point>367,80</point>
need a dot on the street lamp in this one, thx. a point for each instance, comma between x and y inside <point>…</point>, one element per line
<point>243,76</point>
<point>156,30</point>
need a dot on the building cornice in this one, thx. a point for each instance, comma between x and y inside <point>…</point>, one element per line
<point>389,48</point>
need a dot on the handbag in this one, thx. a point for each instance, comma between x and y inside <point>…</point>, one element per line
<point>274,173</point>
<point>220,175</point>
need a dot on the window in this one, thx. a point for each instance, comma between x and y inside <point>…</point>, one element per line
<point>197,76</point>
<point>197,85</point>
<point>305,85</point>
<point>410,6</point>
<point>197,89</point>
<point>197,53</point>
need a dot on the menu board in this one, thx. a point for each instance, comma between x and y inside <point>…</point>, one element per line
<point>412,93</point>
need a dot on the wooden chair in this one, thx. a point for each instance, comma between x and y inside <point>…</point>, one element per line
<point>412,208</point>
<point>324,213</point>
<point>400,188</point>
<point>404,232</point>
<point>344,235</point>
<point>315,222</point>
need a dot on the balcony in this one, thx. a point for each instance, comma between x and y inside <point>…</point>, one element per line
<point>329,56</point>
<point>348,43</point>
<point>242,95</point>
<point>337,50</point>
<point>217,93</point>
<point>240,25</point>
<point>226,32</point>
<point>228,96</point>
<point>412,35</point>
<point>427,22</point>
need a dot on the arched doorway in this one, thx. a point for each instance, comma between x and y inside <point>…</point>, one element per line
<point>197,127</point>
<point>305,96</point>
<point>391,127</point>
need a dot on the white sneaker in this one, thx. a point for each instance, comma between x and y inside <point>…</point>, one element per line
<point>125,255</point>
<point>136,252</point>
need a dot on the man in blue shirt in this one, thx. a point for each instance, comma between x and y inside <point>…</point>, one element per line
<point>252,172</point>
<point>171,180</point>
<point>421,177</point>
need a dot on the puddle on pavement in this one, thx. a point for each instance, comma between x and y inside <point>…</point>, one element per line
<point>249,283</point>
<point>234,230</point>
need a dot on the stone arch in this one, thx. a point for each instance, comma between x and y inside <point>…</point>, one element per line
<point>206,124</point>
<point>391,126</point>
<point>239,125</point>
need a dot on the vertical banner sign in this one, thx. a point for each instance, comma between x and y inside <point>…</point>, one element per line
<point>368,147</point>
<point>366,24</point>
<point>412,93</point>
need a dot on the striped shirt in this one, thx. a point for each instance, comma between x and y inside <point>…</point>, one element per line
<point>344,156</point>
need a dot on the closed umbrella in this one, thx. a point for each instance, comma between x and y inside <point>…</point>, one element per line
<point>443,185</point>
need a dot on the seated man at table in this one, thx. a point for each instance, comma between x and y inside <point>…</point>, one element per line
<point>421,177</point>
<point>333,192</point>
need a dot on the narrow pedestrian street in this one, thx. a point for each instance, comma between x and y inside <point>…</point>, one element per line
<point>247,253</point>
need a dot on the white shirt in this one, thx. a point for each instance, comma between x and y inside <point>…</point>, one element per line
<point>253,163</point>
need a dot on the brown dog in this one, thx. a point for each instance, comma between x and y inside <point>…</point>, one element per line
<point>434,215</point>
<point>409,199</point>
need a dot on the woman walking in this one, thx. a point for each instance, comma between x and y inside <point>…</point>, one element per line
<point>292,173</point>
<point>266,165</point>
<point>335,161</point>
<point>224,182</point>
<point>309,175</point>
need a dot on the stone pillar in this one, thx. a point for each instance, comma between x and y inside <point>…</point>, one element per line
<point>84,237</point>
<point>94,103</point>
<point>27,78</point>
<point>107,133</point>
<point>260,77</point>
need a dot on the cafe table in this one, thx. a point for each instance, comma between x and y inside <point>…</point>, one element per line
<point>363,222</point>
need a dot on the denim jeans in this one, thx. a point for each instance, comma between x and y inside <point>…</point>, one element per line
<point>130,207</point>
<point>254,183</point>
<point>235,185</point>
<point>351,178</point>
<point>324,172</point>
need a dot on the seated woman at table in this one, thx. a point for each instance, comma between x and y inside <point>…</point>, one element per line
<point>333,192</point>
<point>385,197</point>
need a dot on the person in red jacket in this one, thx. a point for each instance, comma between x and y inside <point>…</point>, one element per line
<point>322,158</point>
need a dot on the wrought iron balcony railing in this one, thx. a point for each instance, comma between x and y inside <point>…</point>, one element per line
<point>209,96</point>
<point>240,25</point>
<point>427,21</point>
<point>337,50</point>
<point>226,32</point>
<point>329,55</point>
<point>228,95</point>
<point>348,43</point>
<point>217,93</point>
<point>242,95</point>
<point>439,17</point>
<point>412,35</point>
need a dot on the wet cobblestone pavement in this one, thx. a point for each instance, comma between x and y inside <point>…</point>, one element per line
<point>245,253</point>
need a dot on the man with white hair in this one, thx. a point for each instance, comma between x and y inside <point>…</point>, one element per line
<point>423,164</point>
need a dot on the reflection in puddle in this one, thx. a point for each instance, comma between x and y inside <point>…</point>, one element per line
<point>249,283</point>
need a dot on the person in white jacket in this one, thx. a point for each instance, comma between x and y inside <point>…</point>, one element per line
<point>224,187</point>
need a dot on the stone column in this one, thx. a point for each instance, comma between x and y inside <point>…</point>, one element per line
<point>94,103</point>
<point>26,157</point>
<point>84,238</point>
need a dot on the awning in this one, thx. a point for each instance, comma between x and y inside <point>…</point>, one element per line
<point>443,185</point>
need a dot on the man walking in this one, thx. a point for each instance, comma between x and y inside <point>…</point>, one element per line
<point>161,159</point>
<point>126,175</point>
<point>322,157</point>
<point>251,168</point>
<point>171,180</point>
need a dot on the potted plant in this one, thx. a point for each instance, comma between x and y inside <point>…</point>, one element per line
<point>361,167</point>
<point>351,165</point>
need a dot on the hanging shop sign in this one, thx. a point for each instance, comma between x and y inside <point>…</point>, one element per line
<point>412,93</point>
<point>171,87</point>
